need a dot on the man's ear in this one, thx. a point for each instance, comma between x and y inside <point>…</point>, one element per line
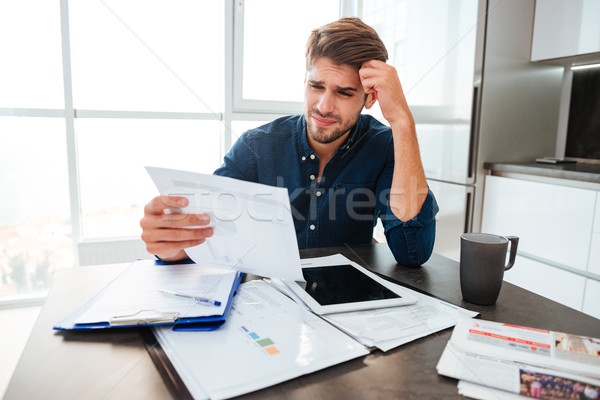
<point>371,99</point>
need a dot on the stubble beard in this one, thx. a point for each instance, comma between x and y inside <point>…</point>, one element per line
<point>321,135</point>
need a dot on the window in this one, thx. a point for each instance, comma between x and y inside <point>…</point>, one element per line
<point>112,154</point>
<point>432,45</point>
<point>272,49</point>
<point>146,88</point>
<point>35,225</point>
<point>93,91</point>
<point>141,55</point>
<point>30,50</point>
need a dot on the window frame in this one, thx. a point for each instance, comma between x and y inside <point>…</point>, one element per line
<point>235,108</point>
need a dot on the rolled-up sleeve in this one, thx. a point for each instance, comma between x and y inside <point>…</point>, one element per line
<point>412,241</point>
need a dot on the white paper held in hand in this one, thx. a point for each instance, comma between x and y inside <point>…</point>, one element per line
<point>253,227</point>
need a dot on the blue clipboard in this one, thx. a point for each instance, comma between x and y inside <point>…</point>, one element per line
<point>150,317</point>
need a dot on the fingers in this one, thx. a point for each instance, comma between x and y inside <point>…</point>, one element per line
<point>153,221</point>
<point>383,81</point>
<point>167,243</point>
<point>374,69</point>
<point>155,235</point>
<point>160,203</point>
<point>163,227</point>
<point>374,64</point>
<point>376,75</point>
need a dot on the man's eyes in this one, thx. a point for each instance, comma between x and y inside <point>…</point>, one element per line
<point>341,92</point>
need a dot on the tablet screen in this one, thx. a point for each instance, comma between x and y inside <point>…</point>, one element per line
<point>338,284</point>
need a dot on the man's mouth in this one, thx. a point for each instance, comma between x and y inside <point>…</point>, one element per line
<point>322,121</point>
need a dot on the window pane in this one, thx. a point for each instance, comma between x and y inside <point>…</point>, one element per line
<point>112,155</point>
<point>275,34</point>
<point>30,54</point>
<point>432,45</point>
<point>147,55</point>
<point>35,226</point>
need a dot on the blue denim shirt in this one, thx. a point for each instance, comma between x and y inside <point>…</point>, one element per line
<point>343,207</point>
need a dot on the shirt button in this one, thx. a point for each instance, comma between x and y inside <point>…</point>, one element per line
<point>312,177</point>
<point>312,227</point>
<point>312,156</point>
<point>318,194</point>
<point>303,158</point>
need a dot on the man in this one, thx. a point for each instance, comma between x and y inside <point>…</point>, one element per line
<point>342,169</point>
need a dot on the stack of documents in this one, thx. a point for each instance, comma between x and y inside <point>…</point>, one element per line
<point>387,328</point>
<point>502,361</point>
<point>267,339</point>
<point>271,336</point>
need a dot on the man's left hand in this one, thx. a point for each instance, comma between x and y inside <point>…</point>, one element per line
<point>381,80</point>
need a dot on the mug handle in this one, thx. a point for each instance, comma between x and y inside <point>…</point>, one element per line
<point>514,242</point>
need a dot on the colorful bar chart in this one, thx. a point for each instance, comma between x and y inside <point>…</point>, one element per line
<point>265,343</point>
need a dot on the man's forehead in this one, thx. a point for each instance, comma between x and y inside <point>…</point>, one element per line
<point>324,71</point>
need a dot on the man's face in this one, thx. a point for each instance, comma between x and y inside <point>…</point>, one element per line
<point>333,100</point>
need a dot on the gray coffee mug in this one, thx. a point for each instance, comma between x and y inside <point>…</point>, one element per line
<point>482,265</point>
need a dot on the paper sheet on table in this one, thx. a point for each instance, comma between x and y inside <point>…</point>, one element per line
<point>253,227</point>
<point>137,289</point>
<point>387,328</point>
<point>475,391</point>
<point>267,339</point>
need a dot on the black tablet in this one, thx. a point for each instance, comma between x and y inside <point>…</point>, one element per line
<point>347,287</point>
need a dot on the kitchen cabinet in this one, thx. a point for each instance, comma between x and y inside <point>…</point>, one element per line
<point>594,261</point>
<point>591,302</point>
<point>553,222</point>
<point>545,280</point>
<point>565,28</point>
<point>559,230</point>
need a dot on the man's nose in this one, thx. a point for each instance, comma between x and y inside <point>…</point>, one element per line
<point>326,103</point>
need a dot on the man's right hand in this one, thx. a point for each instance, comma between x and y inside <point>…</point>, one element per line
<point>163,232</point>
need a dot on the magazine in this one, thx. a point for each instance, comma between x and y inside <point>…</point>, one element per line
<point>528,362</point>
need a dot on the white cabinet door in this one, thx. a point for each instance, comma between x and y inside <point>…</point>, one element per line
<point>553,222</point>
<point>564,28</point>
<point>594,261</point>
<point>556,284</point>
<point>591,302</point>
<point>597,214</point>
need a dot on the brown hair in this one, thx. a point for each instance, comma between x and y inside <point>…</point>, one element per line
<point>345,41</point>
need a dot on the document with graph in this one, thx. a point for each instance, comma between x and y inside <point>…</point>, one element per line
<point>268,339</point>
<point>253,226</point>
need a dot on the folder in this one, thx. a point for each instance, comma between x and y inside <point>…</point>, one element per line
<point>137,298</point>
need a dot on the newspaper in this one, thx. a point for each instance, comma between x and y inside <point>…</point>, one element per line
<point>525,361</point>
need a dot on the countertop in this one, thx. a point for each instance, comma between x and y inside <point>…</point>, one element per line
<point>580,171</point>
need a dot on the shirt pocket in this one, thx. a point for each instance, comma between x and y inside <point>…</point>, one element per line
<point>354,204</point>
